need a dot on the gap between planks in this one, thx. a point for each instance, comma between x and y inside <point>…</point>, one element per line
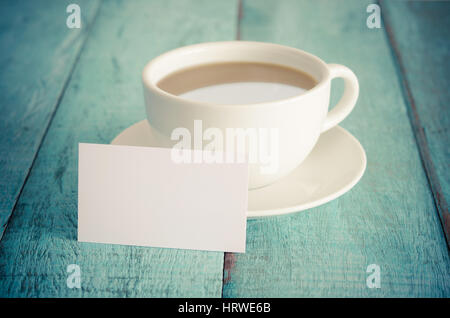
<point>229,259</point>
<point>52,115</point>
<point>419,134</point>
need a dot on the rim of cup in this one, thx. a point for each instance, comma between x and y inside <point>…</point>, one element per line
<point>150,80</point>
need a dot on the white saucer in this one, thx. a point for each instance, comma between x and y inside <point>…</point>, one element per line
<point>335,165</point>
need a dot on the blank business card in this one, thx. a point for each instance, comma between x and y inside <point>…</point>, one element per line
<point>140,196</point>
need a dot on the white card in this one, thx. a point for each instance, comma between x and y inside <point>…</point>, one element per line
<point>140,196</point>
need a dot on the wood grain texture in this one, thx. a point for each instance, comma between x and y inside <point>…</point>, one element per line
<point>37,54</point>
<point>419,33</point>
<point>388,219</point>
<point>103,97</point>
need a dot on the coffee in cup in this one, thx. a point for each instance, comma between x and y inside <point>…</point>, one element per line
<point>237,82</point>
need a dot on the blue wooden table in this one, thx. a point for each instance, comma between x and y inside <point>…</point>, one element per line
<point>60,86</point>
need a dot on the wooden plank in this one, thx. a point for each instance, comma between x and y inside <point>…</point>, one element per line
<point>419,33</point>
<point>34,71</point>
<point>103,97</point>
<point>388,219</point>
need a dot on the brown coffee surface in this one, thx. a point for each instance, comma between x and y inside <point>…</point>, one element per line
<point>192,78</point>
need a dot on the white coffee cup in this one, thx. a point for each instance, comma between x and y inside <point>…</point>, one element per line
<point>299,119</point>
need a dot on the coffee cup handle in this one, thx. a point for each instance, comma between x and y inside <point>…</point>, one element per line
<point>348,99</point>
